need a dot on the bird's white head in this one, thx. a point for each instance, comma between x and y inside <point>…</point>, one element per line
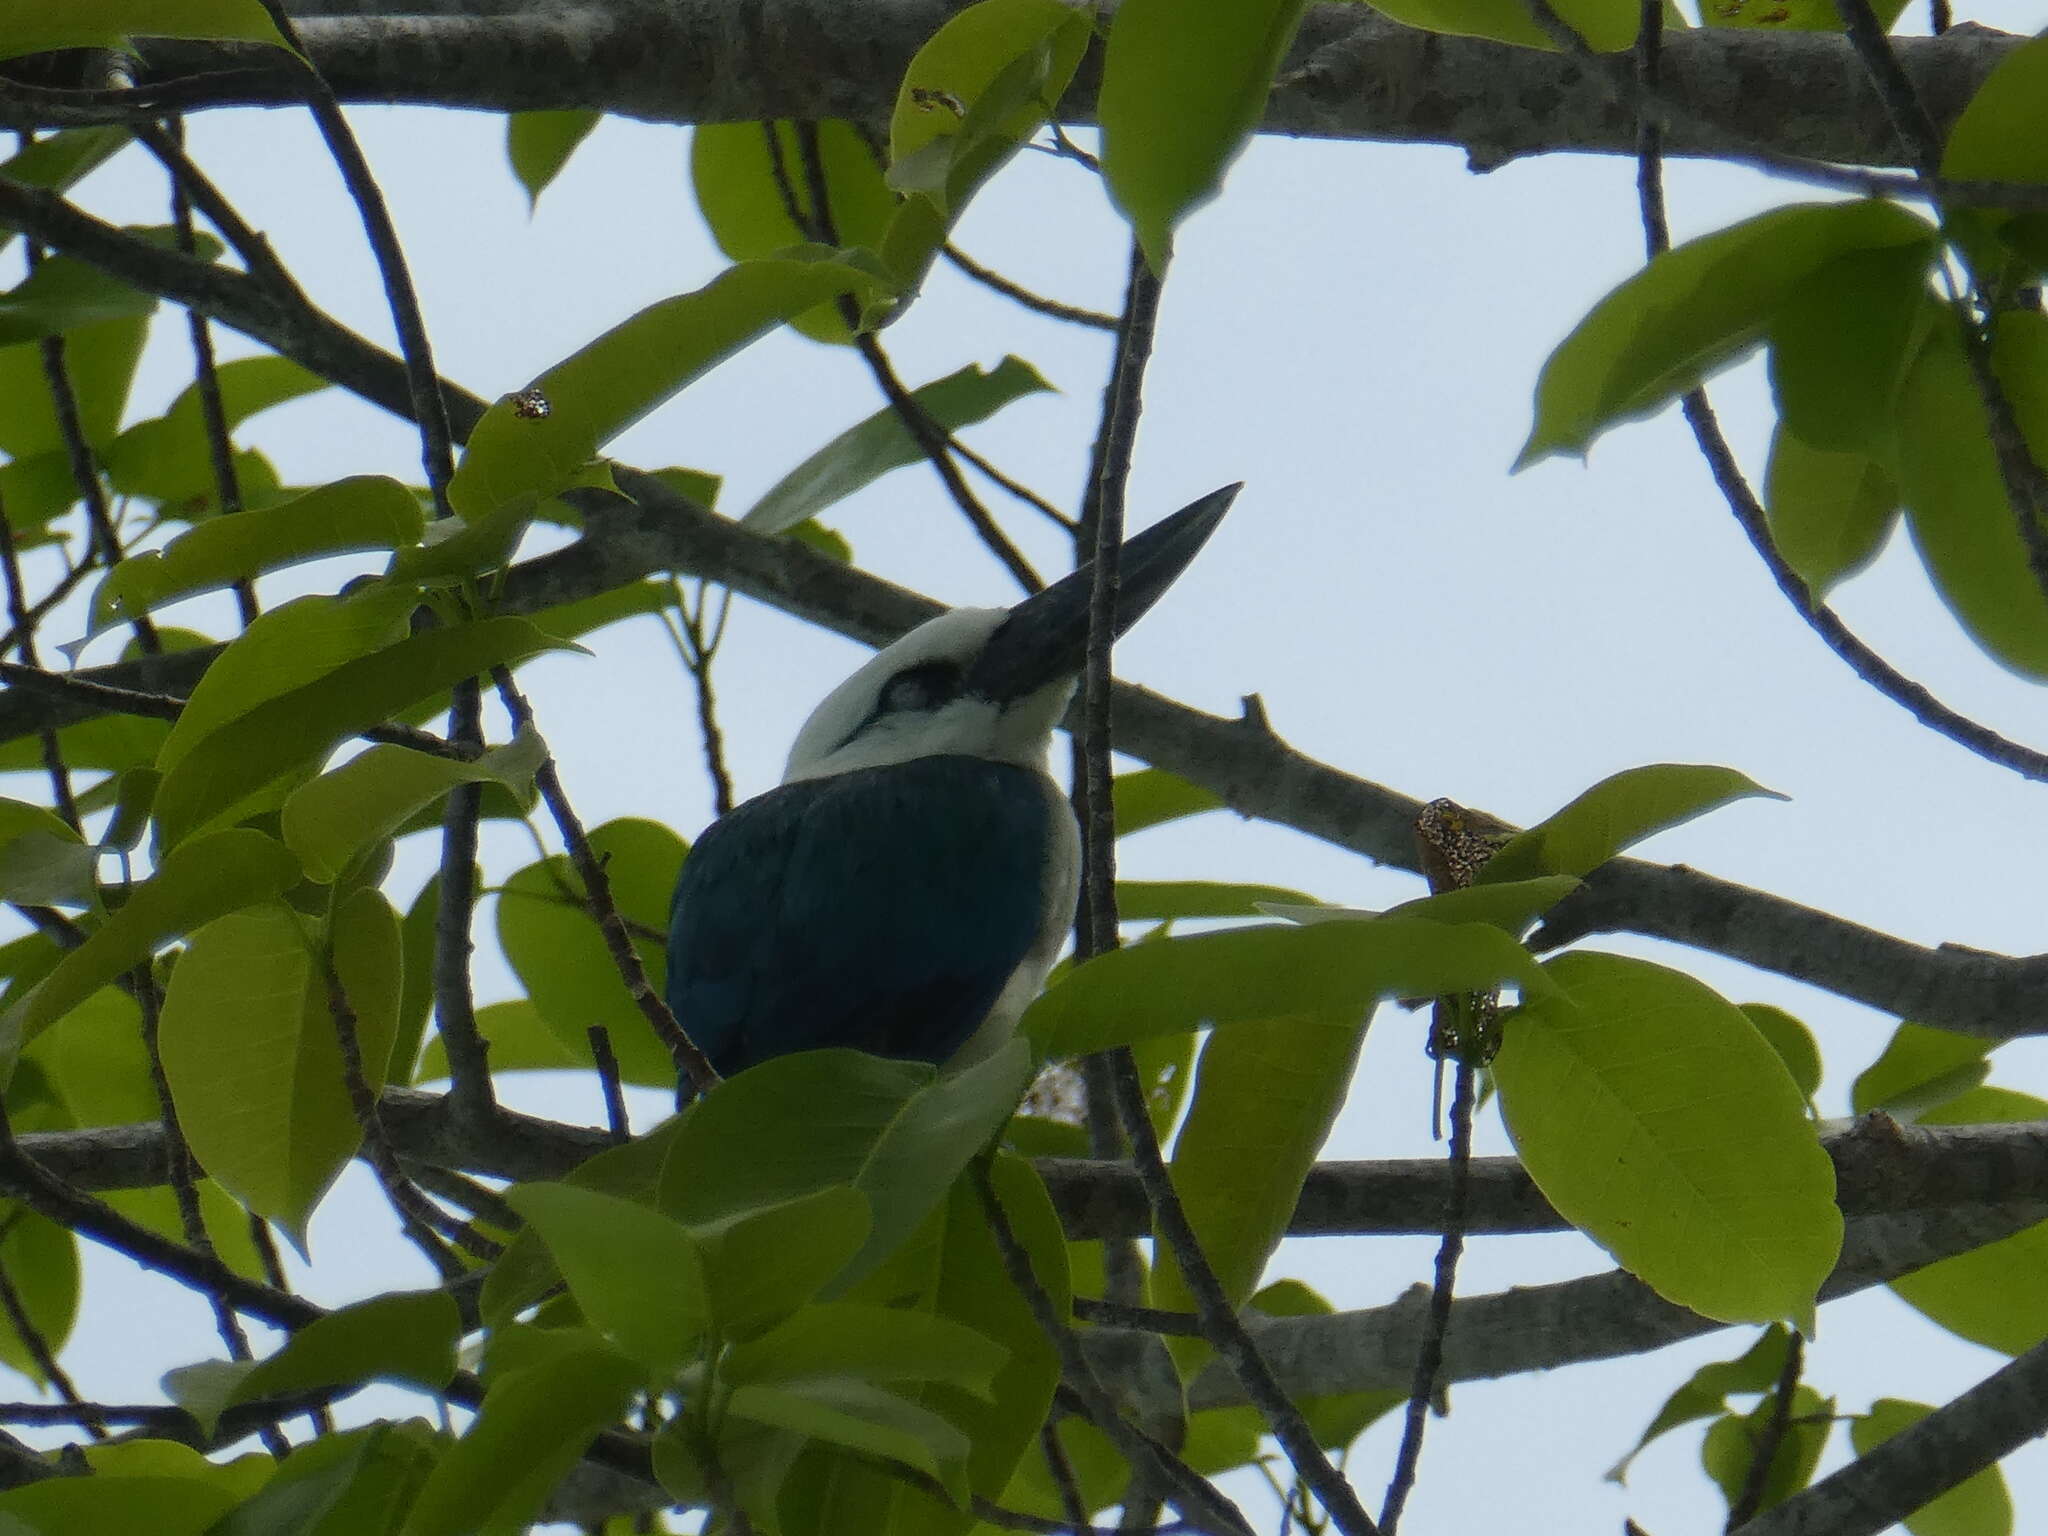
<point>914,700</point>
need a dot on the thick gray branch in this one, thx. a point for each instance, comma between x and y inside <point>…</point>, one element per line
<point>1993,1419</point>
<point>1353,74</point>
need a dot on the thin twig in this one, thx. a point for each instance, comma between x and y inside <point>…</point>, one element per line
<point>1117,1314</point>
<point>264,1241</point>
<point>24,632</point>
<point>698,648</point>
<point>692,1065</point>
<point>430,409</point>
<point>419,1217</point>
<point>1059,1466</point>
<point>1221,1325</point>
<point>1429,1357</point>
<point>608,1079</point>
<point>990,278</point>
<point>1764,1454</point>
<point>164,706</point>
<point>1015,487</point>
<point>2026,487</point>
<point>41,609</point>
<point>932,439</point>
<point>1195,1496</point>
<point>1749,514</point>
<point>29,1182</point>
<point>39,1351</point>
<point>220,451</point>
<point>85,475</point>
<point>191,186</point>
<point>471,1098</point>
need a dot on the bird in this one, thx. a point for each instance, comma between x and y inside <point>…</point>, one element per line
<point>907,886</point>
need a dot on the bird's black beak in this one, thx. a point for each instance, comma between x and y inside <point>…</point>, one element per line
<point>1045,638</point>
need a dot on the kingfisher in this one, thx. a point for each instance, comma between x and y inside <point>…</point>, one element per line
<point>907,886</point>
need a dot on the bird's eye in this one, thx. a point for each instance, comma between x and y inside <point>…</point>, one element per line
<point>922,687</point>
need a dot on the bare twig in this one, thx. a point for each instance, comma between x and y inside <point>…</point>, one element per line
<point>1195,1496</point>
<point>220,450</point>
<point>420,1218</point>
<point>698,646</point>
<point>430,410</point>
<point>931,438</point>
<point>608,1079</point>
<point>992,279</point>
<point>1764,1454</point>
<point>24,640</point>
<point>42,1354</point>
<point>692,1065</point>
<point>469,1064</point>
<point>1429,1358</point>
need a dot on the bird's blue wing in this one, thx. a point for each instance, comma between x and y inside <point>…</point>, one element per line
<point>882,909</point>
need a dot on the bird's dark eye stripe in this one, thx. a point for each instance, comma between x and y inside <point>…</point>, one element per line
<point>920,687</point>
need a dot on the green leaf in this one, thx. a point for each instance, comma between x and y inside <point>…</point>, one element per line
<point>1705,1394</point>
<point>1151,797</point>
<point>1955,497</point>
<point>331,819</point>
<point>1609,25</point>
<point>1692,310</point>
<point>293,644</point>
<point>404,1336</point>
<point>1151,901</point>
<point>1251,975</point>
<point>1989,1295</point>
<point>58,163</point>
<point>848,1412</point>
<point>1618,812</point>
<point>896,1131</point>
<point>534,1425</point>
<point>745,195</point>
<point>1729,1450</point>
<point>1264,1101</point>
<point>976,91</point>
<point>194,885</point>
<point>163,1506</point>
<point>1656,1119</point>
<point>638,1276</point>
<point>519,1040</point>
<point>604,388</point>
<point>41,1262</point>
<point>554,944</point>
<point>100,362</point>
<point>2002,134</point>
<point>1978,1506</point>
<point>762,1265</point>
<point>862,454</point>
<point>294,731</point>
<point>170,457</point>
<point>874,1344</point>
<point>1509,904</point>
<point>110,23</point>
<point>362,512</point>
<point>1830,513</point>
<point>1184,82</point>
<point>250,1050</point>
<point>355,1483</point>
<point>42,860</point>
<point>1793,1042</point>
<point>539,144</point>
<point>1921,1068</point>
<point>65,294</point>
<point>1840,343</point>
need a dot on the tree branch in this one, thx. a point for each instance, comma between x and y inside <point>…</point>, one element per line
<point>1350,75</point>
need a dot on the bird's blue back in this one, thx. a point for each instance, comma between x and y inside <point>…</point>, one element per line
<point>882,909</point>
